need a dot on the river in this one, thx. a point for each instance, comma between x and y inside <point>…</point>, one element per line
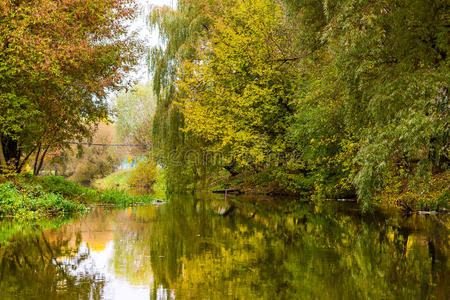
<point>187,249</point>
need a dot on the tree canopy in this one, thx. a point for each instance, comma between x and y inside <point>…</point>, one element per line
<point>58,61</point>
<point>334,98</point>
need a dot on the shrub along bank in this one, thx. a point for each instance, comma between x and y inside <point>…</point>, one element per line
<point>30,197</point>
<point>146,178</point>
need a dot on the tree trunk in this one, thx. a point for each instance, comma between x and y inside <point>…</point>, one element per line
<point>36,160</point>
<point>9,152</point>
<point>230,168</point>
<point>19,169</point>
<point>2,155</point>
<point>42,160</point>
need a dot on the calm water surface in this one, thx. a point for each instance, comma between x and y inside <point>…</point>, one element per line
<point>185,249</point>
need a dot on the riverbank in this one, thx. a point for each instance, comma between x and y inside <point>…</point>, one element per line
<point>121,180</point>
<point>401,195</point>
<point>31,197</point>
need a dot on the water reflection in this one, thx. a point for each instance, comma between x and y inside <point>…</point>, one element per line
<point>189,249</point>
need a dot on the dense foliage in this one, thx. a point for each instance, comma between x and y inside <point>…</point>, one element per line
<point>179,29</point>
<point>58,61</point>
<point>335,98</point>
<point>33,202</point>
<point>71,190</point>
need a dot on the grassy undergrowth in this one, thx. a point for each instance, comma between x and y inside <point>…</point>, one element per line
<point>30,202</point>
<point>29,197</point>
<point>118,180</point>
<point>69,189</point>
<point>121,181</point>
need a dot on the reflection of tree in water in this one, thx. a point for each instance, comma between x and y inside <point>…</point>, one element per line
<point>131,248</point>
<point>300,251</point>
<point>31,267</point>
<point>186,249</point>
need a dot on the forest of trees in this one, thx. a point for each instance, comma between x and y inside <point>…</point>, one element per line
<point>314,98</point>
<point>325,98</point>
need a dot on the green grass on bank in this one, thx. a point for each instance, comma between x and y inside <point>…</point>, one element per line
<point>72,190</point>
<point>29,197</point>
<point>31,202</point>
<point>117,181</point>
<point>120,180</point>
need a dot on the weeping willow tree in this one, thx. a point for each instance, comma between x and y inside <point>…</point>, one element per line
<point>375,110</point>
<point>179,30</point>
